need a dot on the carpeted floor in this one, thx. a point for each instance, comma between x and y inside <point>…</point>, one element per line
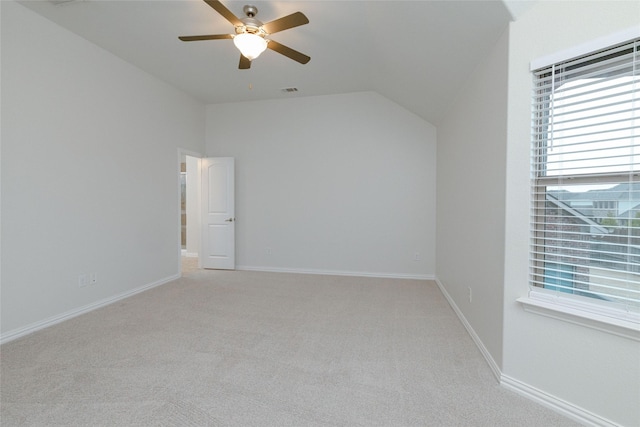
<point>222,348</point>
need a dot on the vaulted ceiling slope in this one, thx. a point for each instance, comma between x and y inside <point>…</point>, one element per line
<point>416,53</point>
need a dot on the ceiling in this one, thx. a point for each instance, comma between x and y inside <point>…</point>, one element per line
<point>416,53</point>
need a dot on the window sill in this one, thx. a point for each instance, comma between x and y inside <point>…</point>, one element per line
<point>614,321</point>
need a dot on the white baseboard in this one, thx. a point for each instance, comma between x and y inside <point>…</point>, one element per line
<point>556,404</point>
<point>33,327</point>
<point>476,339</point>
<point>337,273</point>
<point>190,254</point>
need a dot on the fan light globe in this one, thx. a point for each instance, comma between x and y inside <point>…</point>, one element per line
<point>250,45</point>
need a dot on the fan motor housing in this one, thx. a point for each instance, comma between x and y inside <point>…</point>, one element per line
<point>251,26</point>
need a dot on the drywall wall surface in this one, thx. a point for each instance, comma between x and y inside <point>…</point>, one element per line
<point>470,199</point>
<point>89,171</point>
<point>593,372</point>
<point>332,184</point>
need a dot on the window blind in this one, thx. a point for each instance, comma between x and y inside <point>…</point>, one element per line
<point>585,213</point>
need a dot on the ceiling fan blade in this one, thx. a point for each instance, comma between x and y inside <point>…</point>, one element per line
<point>209,37</point>
<point>245,64</point>
<point>226,13</point>
<point>288,52</point>
<point>286,22</point>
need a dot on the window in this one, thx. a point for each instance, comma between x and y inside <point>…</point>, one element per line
<point>586,177</point>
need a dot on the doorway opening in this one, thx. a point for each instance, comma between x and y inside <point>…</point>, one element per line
<point>189,235</point>
<point>183,204</point>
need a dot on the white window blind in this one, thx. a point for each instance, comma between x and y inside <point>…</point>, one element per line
<point>585,212</point>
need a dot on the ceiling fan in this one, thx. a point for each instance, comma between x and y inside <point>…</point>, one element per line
<point>251,35</point>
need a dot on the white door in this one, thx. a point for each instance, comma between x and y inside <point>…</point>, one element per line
<point>218,213</point>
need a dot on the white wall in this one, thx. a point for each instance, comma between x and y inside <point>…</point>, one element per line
<point>470,199</point>
<point>89,171</point>
<point>335,184</point>
<point>593,370</point>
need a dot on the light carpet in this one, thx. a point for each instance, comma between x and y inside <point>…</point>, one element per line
<point>238,348</point>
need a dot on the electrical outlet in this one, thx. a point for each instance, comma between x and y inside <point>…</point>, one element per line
<point>470,294</point>
<point>83,280</point>
<point>416,256</point>
<point>93,278</point>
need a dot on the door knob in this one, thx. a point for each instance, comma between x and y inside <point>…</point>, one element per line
<point>230,220</point>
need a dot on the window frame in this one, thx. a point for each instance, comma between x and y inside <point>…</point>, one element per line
<point>572,308</point>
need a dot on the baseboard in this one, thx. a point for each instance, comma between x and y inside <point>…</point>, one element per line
<point>476,339</point>
<point>556,404</point>
<point>29,329</point>
<point>337,273</point>
<point>190,254</point>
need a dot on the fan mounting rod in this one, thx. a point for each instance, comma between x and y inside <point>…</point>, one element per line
<point>250,10</point>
